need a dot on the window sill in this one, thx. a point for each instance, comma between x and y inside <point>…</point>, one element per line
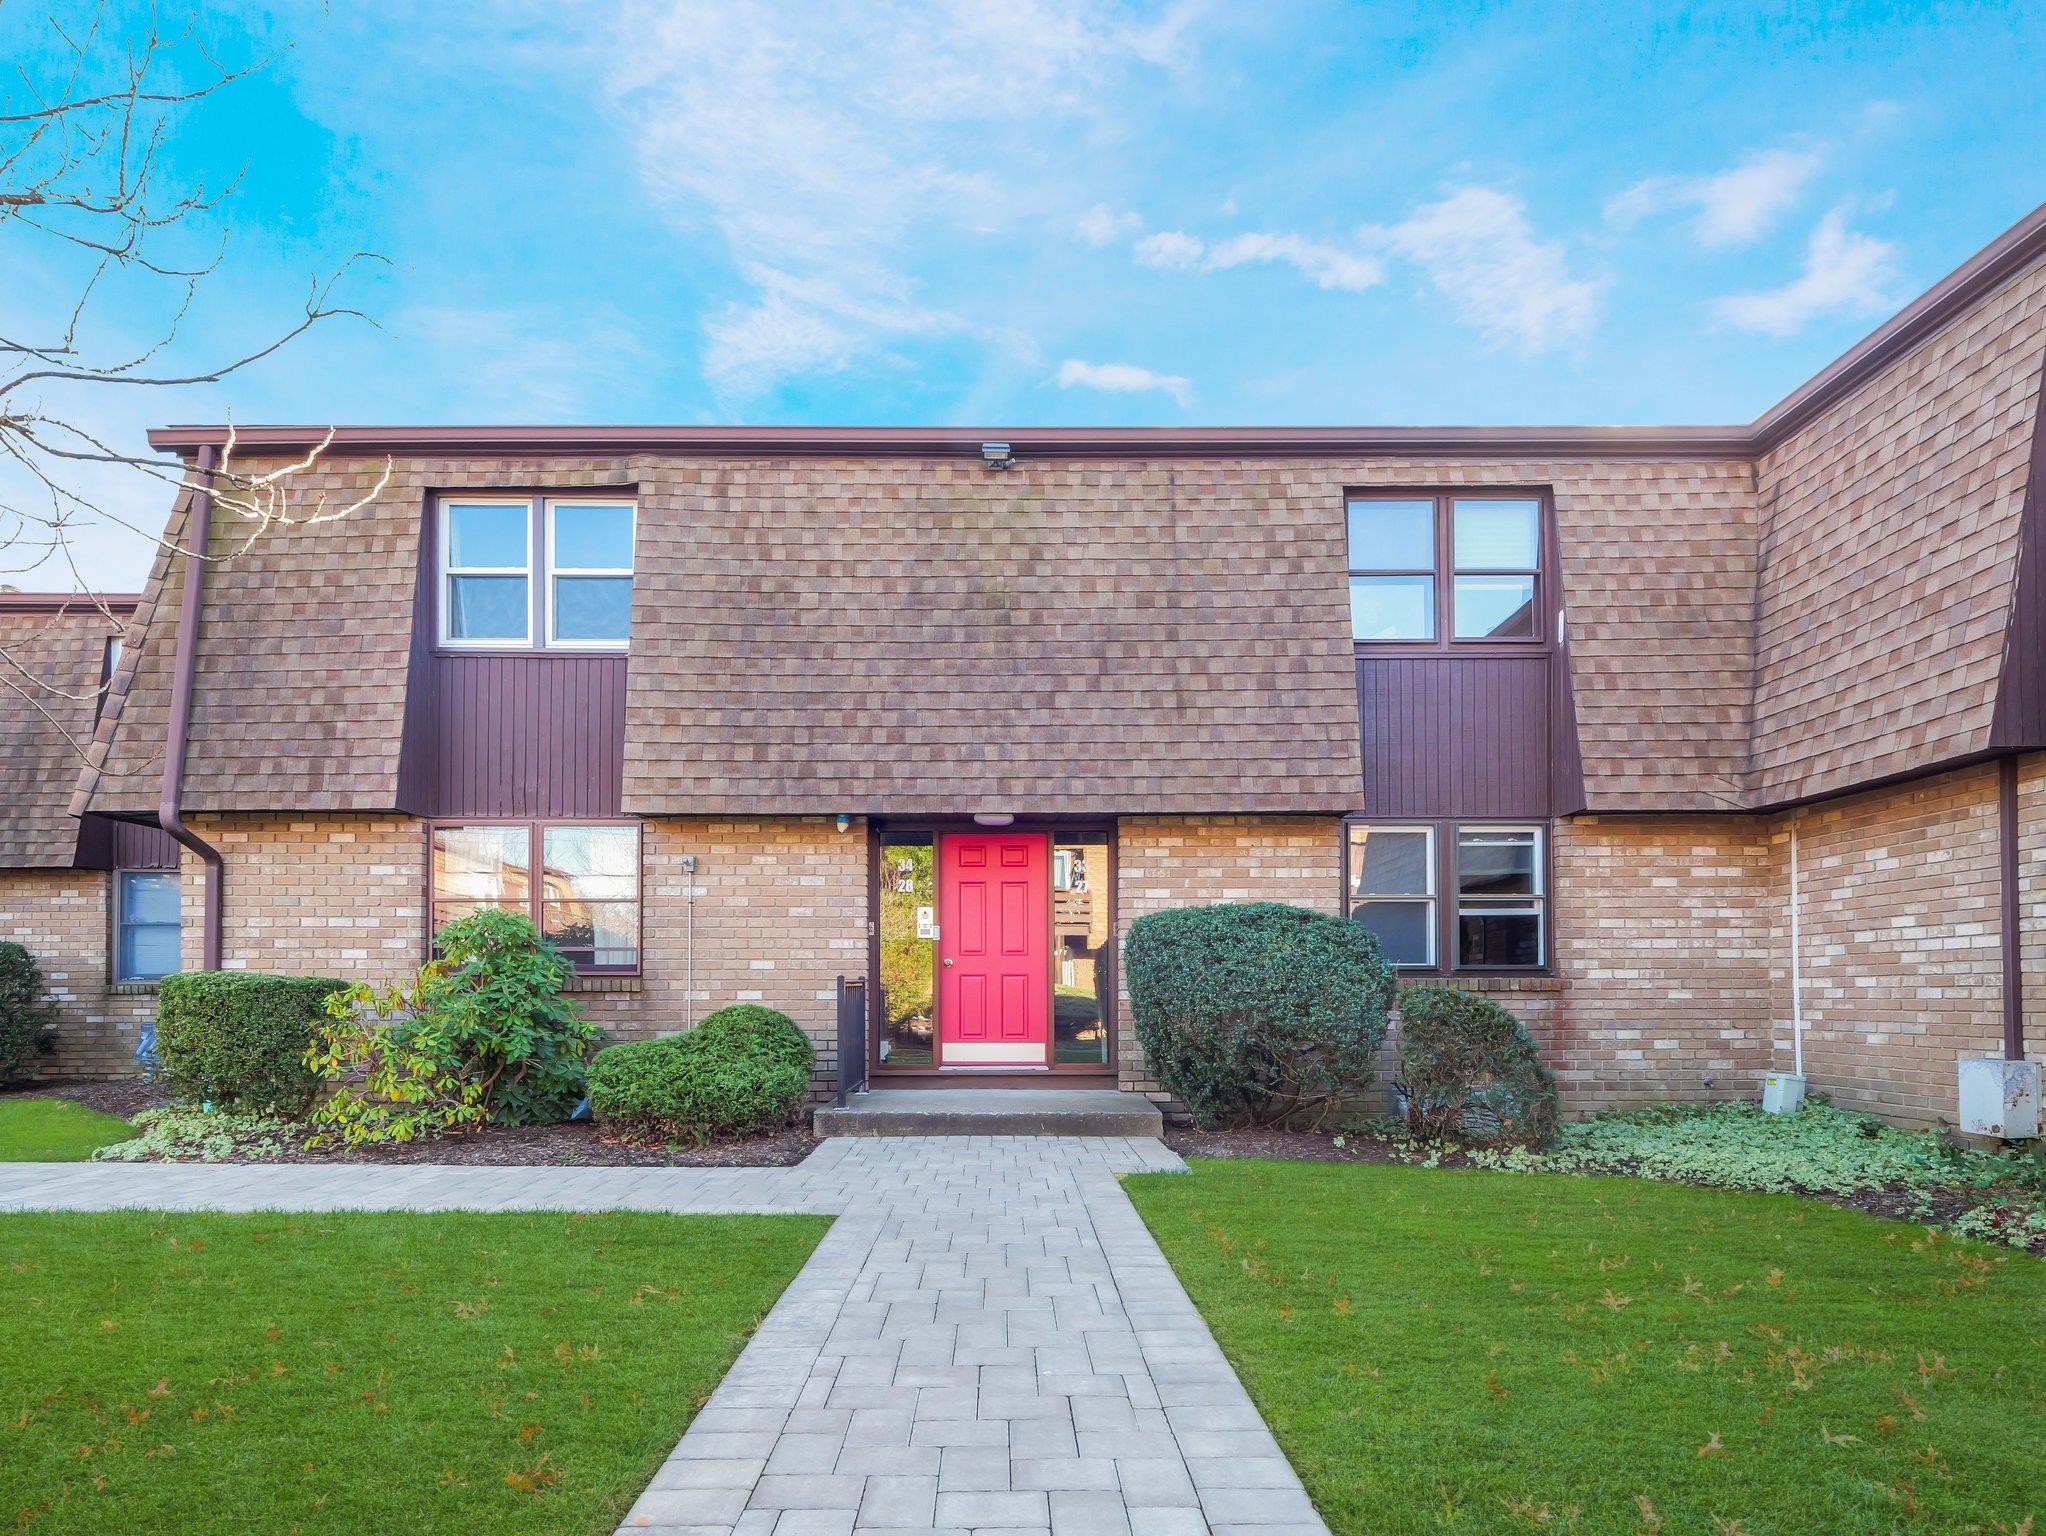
<point>1484,981</point>
<point>607,984</point>
<point>131,989</point>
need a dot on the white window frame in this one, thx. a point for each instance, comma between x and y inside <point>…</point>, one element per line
<point>447,574</point>
<point>1535,905</point>
<point>554,571</point>
<point>121,924</point>
<point>1431,899</point>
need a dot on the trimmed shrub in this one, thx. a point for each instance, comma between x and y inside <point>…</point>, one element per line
<point>238,1039</point>
<point>499,993</point>
<point>26,1016</point>
<point>1470,1069</point>
<point>1256,1013</point>
<point>743,1070</point>
<point>751,1027</point>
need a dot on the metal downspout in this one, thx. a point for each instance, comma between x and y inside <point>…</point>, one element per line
<point>169,811</point>
<point>2013,926</point>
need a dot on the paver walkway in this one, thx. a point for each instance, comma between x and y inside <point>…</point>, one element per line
<point>987,1340</point>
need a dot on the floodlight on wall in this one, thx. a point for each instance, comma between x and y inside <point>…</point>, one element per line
<point>997,455</point>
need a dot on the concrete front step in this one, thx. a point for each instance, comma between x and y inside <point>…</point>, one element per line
<point>992,1112</point>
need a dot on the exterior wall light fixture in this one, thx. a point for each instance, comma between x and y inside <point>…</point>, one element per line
<point>997,455</point>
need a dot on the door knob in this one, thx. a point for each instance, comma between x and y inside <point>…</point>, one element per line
<point>948,960</point>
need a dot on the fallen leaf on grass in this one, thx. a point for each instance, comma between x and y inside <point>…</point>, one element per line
<point>1830,1438</point>
<point>1711,1447</point>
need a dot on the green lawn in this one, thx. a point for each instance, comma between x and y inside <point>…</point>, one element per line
<point>54,1130</point>
<point>1479,1352</point>
<point>363,1374</point>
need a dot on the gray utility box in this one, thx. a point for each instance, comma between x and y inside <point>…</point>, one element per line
<point>2000,1098</point>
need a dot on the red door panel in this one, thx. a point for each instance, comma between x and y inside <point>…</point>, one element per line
<point>994,949</point>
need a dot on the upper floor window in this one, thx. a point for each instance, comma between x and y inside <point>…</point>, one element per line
<point>521,573</point>
<point>1425,567</point>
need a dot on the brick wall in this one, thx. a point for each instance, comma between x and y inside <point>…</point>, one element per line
<point>338,895</point>
<point>60,917</point>
<point>779,912</point>
<point>1901,943</point>
<point>1194,861</point>
<point>1664,942</point>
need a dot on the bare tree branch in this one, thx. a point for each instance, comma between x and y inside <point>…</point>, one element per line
<point>84,139</point>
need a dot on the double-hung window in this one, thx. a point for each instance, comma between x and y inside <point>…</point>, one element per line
<point>580,884</point>
<point>1392,889</point>
<point>1499,898</point>
<point>527,573</point>
<point>1436,570</point>
<point>1495,914</point>
<point>147,925</point>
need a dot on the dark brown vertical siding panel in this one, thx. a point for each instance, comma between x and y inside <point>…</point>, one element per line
<point>2020,720</point>
<point>528,736</point>
<point>1455,735</point>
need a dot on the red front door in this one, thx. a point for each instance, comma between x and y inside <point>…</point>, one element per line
<point>994,949</point>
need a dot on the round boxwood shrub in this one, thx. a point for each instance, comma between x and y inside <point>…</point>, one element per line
<point>741,1071</point>
<point>237,1039</point>
<point>1470,1069</point>
<point>1258,1012</point>
<point>25,1014</point>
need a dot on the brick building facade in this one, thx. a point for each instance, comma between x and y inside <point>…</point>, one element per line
<point>735,713</point>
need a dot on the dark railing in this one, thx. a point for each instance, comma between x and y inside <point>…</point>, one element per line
<point>852,1037</point>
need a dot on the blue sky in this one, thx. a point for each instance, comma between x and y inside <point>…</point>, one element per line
<point>1014,212</point>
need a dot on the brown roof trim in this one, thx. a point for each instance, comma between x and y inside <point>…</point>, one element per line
<point>951,442</point>
<point>60,602</point>
<point>2011,252</point>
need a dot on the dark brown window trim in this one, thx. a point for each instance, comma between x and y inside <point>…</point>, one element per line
<point>539,568</point>
<point>536,896</point>
<point>1445,899</point>
<point>1445,571</point>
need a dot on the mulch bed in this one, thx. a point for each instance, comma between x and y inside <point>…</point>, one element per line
<point>1936,1207</point>
<point>571,1144</point>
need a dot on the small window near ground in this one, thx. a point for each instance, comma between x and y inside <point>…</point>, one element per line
<point>147,924</point>
<point>1392,889</point>
<point>1500,900</point>
<point>585,899</point>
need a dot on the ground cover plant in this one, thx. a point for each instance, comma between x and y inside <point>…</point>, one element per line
<point>363,1373</point>
<point>1821,1150</point>
<point>54,1130</point>
<point>1443,1350</point>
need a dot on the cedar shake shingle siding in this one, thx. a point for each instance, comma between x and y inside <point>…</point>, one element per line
<point>53,663</point>
<point>1064,637</point>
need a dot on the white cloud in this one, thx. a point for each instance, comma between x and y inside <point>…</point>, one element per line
<point>825,144</point>
<point>1170,248</point>
<point>1326,265</point>
<point>1845,273</point>
<point>1479,251</point>
<point>1121,378</point>
<point>1735,206</point>
<point>1101,226</point>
